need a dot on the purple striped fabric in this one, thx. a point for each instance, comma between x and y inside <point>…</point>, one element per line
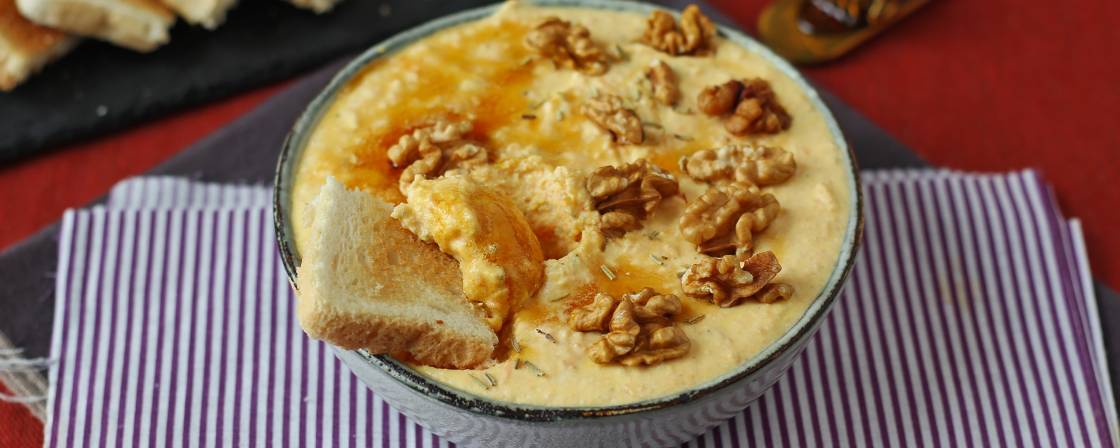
<point>969,320</point>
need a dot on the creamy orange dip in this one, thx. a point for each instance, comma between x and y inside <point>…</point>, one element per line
<point>528,113</point>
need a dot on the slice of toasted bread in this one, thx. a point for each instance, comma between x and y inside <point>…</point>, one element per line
<point>26,47</point>
<point>141,25</point>
<point>319,6</point>
<point>366,282</point>
<point>207,13</point>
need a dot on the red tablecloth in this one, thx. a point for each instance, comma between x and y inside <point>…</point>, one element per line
<point>986,85</point>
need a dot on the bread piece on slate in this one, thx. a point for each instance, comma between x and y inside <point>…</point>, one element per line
<point>319,6</point>
<point>207,13</point>
<point>141,25</point>
<point>26,47</point>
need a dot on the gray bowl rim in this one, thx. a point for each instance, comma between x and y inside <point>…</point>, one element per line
<point>301,131</point>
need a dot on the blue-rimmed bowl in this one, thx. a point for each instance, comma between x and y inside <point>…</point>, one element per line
<point>464,418</point>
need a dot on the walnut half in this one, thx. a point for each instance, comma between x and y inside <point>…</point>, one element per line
<point>728,280</point>
<point>774,292</point>
<point>430,151</point>
<point>724,219</point>
<point>595,316</point>
<point>622,337</point>
<point>664,82</point>
<point>639,328</point>
<point>567,45</point>
<point>752,104</point>
<point>623,125</point>
<point>694,35</point>
<point>760,165</point>
<point>627,194</point>
<point>719,99</point>
<point>657,343</point>
<point>650,307</point>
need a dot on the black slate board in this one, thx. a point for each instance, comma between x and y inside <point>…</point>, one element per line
<point>99,88</point>
<point>26,269</point>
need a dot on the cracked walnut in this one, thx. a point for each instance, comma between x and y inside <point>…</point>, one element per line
<point>664,82</point>
<point>728,280</point>
<point>693,36</point>
<point>430,151</point>
<point>762,166</point>
<point>639,328</point>
<point>607,112</point>
<point>626,194</point>
<point>752,105</point>
<point>567,45</point>
<point>724,219</point>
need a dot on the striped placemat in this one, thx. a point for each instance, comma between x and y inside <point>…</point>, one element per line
<point>969,321</point>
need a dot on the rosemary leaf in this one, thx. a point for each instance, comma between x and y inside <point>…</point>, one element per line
<point>548,336</point>
<point>536,370</point>
<point>478,380</point>
<point>607,272</point>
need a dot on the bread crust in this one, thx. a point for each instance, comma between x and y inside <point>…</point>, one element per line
<point>428,343</point>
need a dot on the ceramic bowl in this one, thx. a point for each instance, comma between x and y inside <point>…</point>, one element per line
<point>470,420</point>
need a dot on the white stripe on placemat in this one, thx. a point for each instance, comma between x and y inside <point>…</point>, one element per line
<point>969,320</point>
<point>1076,240</point>
<point>177,192</point>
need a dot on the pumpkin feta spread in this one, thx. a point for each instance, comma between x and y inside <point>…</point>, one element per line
<point>607,153</point>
